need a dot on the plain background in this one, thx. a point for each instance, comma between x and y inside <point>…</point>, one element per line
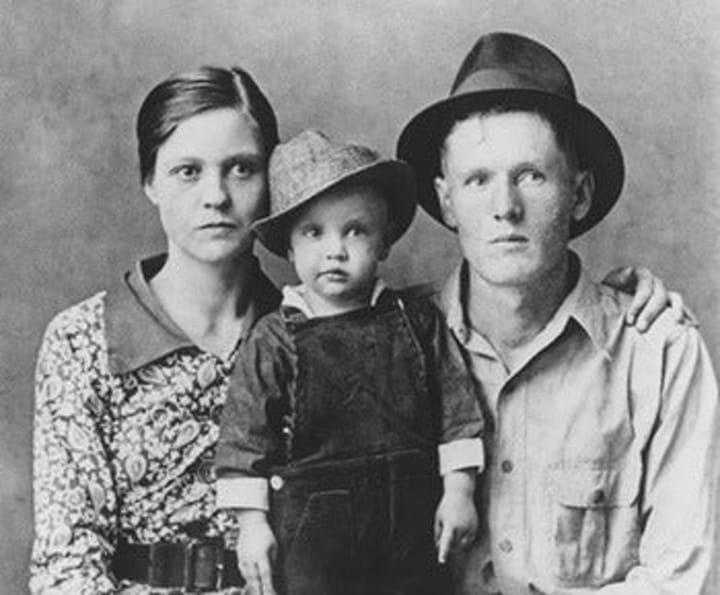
<point>72,76</point>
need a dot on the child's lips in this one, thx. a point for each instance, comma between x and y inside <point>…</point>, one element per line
<point>334,274</point>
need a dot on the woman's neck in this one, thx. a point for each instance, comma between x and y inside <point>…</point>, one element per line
<point>208,302</point>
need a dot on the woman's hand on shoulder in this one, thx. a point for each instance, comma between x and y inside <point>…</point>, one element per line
<point>650,296</point>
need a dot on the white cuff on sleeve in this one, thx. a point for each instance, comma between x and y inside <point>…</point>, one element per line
<point>461,454</point>
<point>243,492</point>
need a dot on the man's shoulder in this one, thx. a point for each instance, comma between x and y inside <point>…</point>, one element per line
<point>613,305</point>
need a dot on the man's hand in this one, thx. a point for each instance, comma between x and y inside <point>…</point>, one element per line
<point>650,298</point>
<point>256,550</point>
<point>456,520</point>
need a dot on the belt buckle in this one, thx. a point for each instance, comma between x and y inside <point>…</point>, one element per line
<point>204,563</point>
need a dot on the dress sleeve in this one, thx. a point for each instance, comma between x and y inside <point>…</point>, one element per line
<point>256,412</point>
<point>74,499</point>
<point>679,495</point>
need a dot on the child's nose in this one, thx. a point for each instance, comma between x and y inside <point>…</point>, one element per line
<point>335,248</point>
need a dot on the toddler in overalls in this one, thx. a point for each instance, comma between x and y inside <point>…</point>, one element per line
<point>351,437</point>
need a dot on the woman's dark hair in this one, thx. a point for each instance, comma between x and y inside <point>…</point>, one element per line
<point>188,94</point>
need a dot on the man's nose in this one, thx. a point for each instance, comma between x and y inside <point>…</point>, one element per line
<point>215,193</point>
<point>507,202</point>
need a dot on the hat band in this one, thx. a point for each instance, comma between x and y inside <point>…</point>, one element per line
<point>495,79</point>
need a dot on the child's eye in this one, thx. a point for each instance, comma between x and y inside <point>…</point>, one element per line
<point>356,230</point>
<point>311,231</point>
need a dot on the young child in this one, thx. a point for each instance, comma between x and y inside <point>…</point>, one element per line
<point>348,404</point>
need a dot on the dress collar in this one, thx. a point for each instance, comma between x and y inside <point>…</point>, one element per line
<point>138,329</point>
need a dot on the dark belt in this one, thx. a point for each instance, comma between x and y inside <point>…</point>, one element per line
<point>195,565</point>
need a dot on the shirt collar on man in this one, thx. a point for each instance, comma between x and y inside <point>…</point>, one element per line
<point>582,305</point>
<point>293,296</point>
<point>138,329</point>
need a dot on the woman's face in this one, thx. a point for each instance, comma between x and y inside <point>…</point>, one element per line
<point>209,184</point>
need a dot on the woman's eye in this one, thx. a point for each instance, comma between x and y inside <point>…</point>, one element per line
<point>186,172</point>
<point>241,170</point>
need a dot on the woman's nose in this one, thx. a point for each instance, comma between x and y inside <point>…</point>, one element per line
<point>215,193</point>
<point>507,202</point>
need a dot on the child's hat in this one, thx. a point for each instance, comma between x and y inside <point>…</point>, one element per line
<point>310,164</point>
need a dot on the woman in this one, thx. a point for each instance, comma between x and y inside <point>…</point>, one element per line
<point>131,382</point>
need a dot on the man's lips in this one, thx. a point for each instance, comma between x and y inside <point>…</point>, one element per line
<point>511,238</point>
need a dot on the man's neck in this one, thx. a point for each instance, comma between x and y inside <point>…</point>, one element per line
<point>510,317</point>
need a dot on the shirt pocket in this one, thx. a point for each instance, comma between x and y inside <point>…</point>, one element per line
<point>594,521</point>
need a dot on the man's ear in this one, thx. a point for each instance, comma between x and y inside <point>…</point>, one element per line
<point>584,190</point>
<point>443,193</point>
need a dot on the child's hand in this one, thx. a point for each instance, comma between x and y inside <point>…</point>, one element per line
<point>456,520</point>
<point>256,550</point>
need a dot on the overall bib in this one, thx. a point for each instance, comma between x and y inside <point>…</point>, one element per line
<point>353,508</point>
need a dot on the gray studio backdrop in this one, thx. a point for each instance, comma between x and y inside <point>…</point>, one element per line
<point>72,75</point>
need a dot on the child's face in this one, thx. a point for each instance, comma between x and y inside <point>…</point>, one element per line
<point>336,245</point>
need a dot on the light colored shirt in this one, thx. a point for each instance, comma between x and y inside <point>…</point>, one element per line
<point>240,491</point>
<point>599,472</point>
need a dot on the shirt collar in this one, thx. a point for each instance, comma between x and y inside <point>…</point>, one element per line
<point>582,305</point>
<point>138,329</point>
<point>293,296</point>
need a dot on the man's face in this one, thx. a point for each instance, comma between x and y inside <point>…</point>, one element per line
<point>511,193</point>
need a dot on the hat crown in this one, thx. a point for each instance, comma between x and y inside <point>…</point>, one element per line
<point>510,61</point>
<point>310,162</point>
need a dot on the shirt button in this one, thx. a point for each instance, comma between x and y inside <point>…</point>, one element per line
<point>276,482</point>
<point>505,546</point>
<point>598,497</point>
<point>506,466</point>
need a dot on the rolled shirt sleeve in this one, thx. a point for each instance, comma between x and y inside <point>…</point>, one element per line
<point>254,414</point>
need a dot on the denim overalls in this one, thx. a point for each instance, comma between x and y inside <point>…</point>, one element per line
<point>353,508</point>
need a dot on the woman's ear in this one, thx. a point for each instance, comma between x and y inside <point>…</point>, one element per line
<point>584,190</point>
<point>150,191</point>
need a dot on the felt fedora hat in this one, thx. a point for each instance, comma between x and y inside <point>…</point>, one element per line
<point>506,69</point>
<point>310,164</point>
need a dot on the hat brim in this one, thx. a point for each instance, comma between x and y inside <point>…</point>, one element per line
<point>395,180</point>
<point>420,141</point>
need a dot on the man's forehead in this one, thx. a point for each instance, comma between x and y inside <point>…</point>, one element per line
<point>506,133</point>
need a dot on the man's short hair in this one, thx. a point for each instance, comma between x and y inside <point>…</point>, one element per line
<point>563,136</point>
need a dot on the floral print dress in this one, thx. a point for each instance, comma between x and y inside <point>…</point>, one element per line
<point>126,423</point>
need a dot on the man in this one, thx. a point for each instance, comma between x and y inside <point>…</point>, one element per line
<point>600,476</point>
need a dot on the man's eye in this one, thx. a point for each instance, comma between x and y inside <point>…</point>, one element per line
<point>531,176</point>
<point>476,180</point>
